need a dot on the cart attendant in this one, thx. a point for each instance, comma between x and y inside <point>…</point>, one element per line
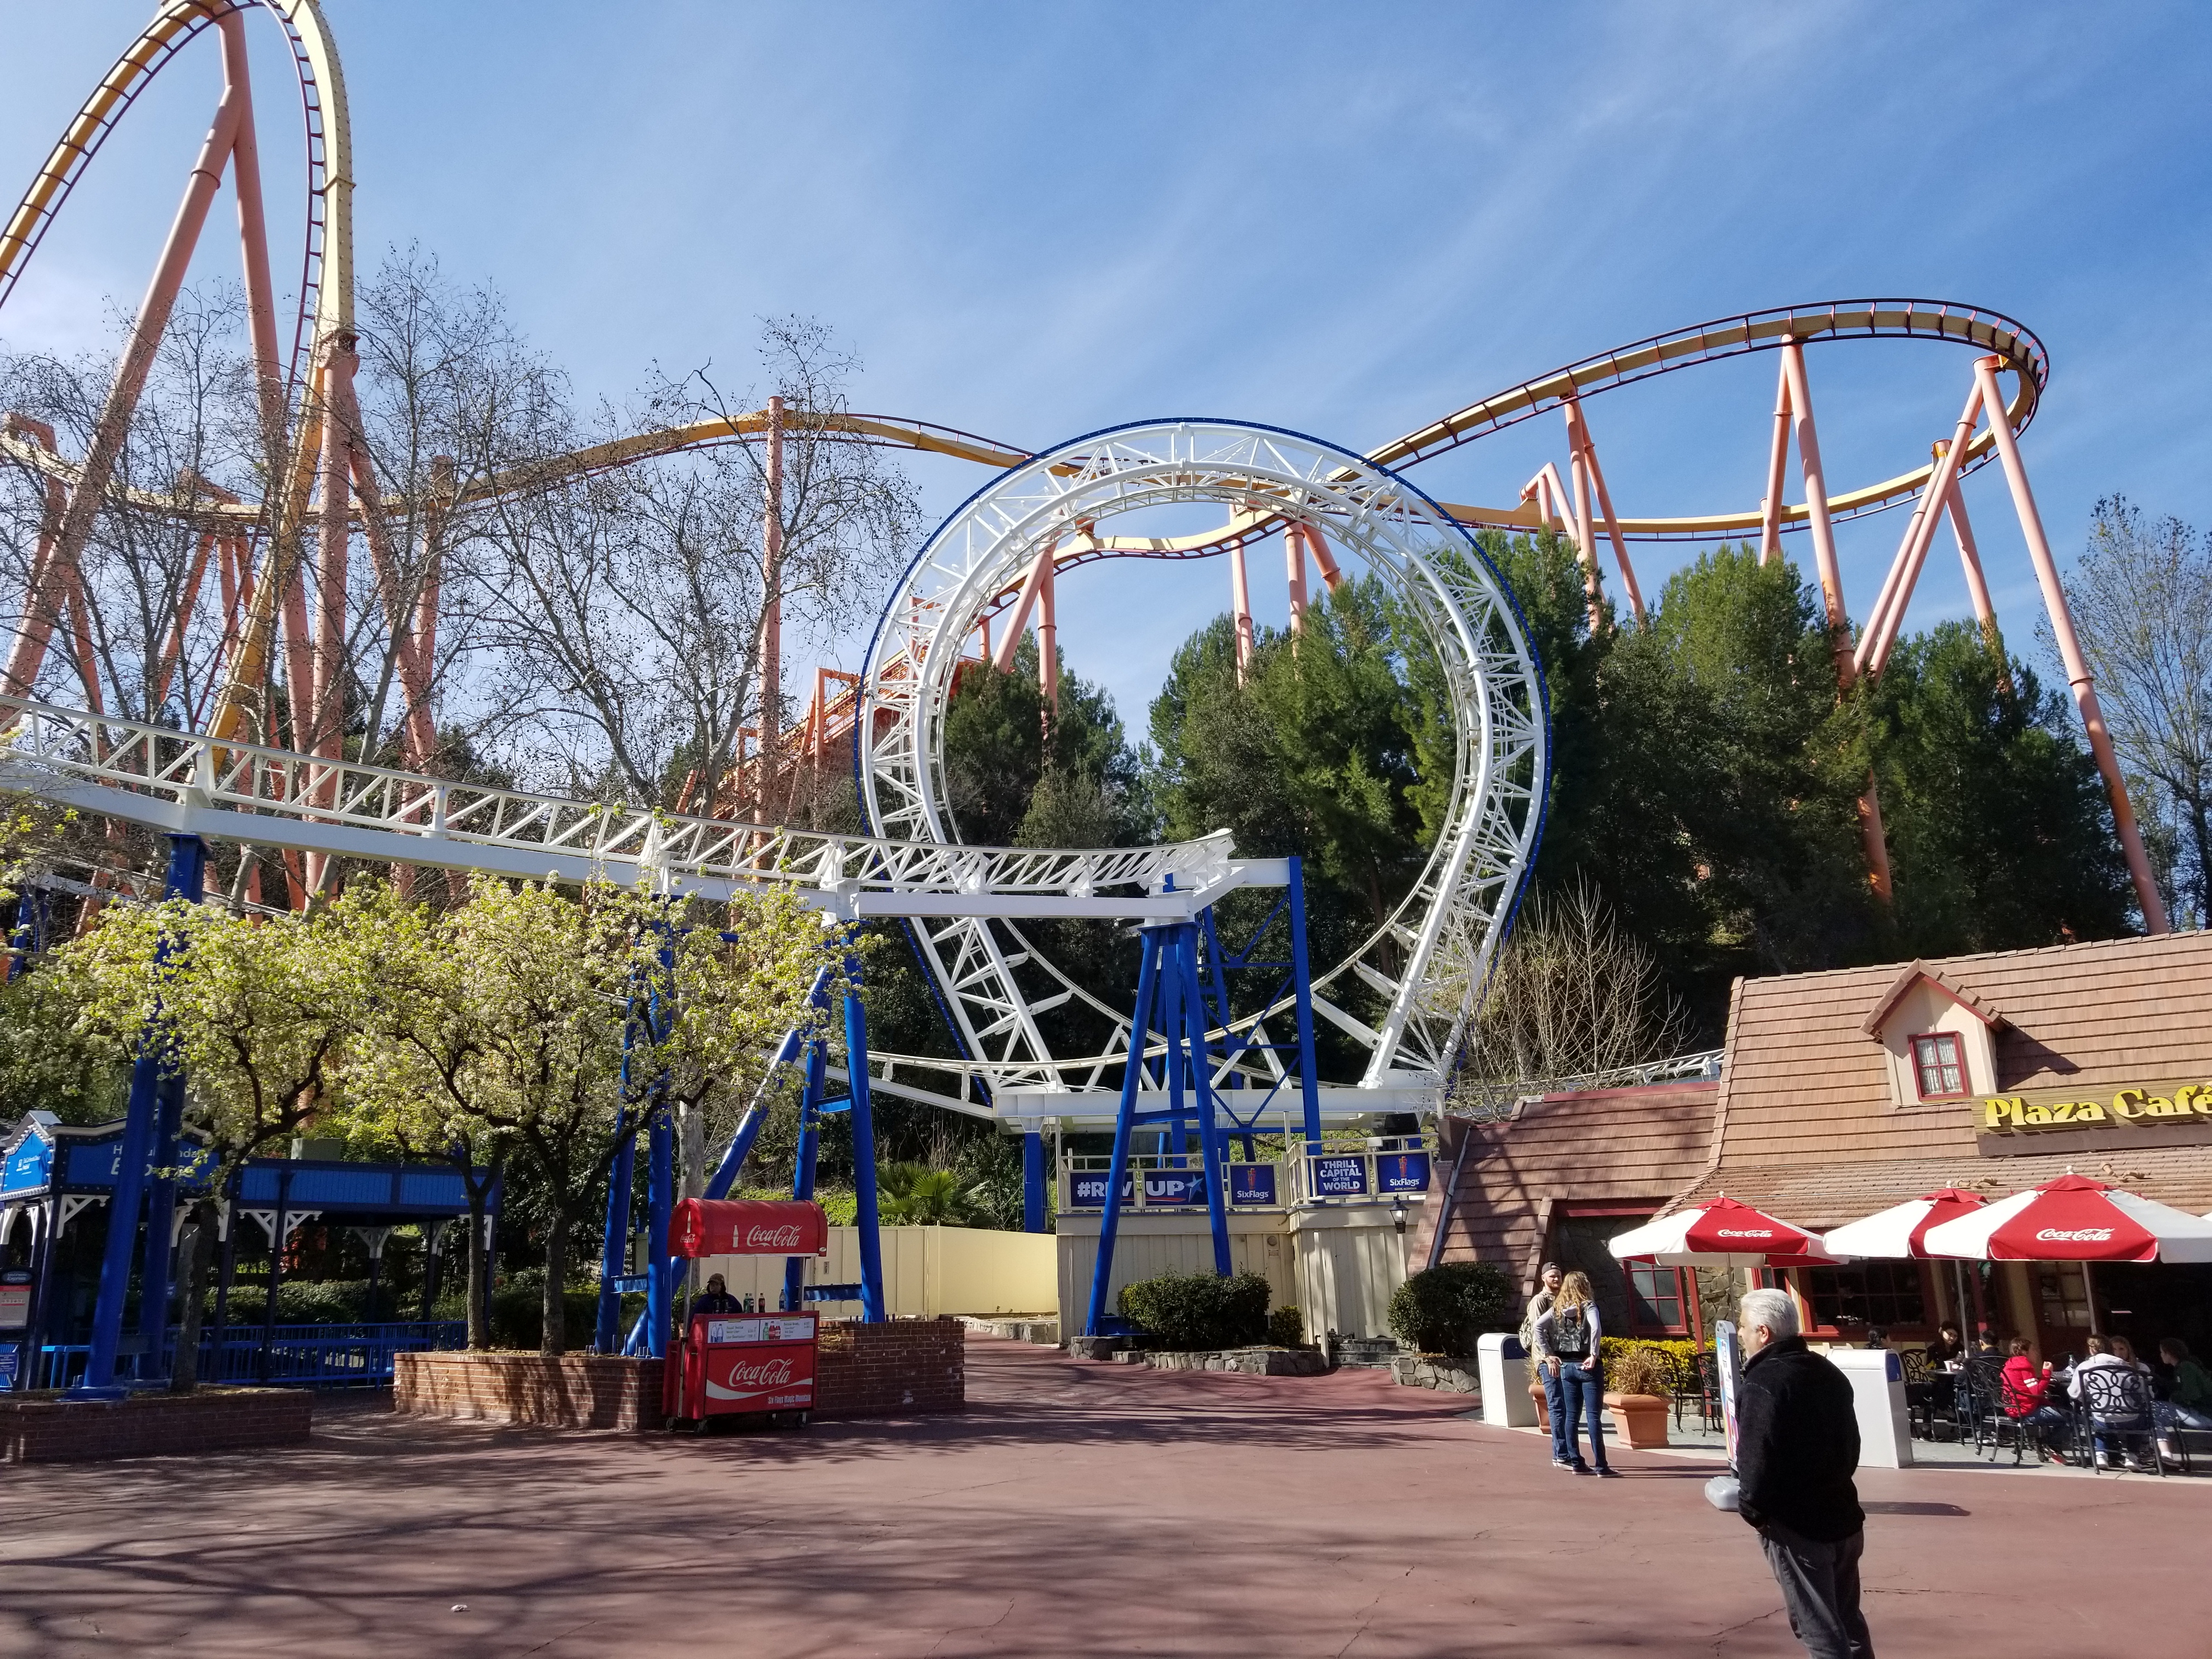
<point>717,1302</point>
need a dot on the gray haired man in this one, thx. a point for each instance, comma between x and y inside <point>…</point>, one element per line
<point>1797,1447</point>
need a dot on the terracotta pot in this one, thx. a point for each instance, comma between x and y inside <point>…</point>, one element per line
<point>1640,1419</point>
<point>1543,1406</point>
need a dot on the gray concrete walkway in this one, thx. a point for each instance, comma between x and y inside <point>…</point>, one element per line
<point>1076,1509</point>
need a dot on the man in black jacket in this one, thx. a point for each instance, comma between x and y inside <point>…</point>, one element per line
<point>1797,1447</point>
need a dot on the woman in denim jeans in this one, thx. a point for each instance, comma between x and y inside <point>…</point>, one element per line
<point>1570,1332</point>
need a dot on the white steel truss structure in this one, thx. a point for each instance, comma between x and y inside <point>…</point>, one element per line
<point>188,784</point>
<point>1425,966</point>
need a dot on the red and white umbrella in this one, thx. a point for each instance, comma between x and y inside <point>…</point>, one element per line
<point>1899,1232</point>
<point>1721,1234</point>
<point>2075,1218</point>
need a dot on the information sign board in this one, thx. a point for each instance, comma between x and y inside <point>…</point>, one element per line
<point>1340,1177</point>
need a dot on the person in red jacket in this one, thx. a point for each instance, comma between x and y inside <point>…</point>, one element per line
<point>2025,1384</point>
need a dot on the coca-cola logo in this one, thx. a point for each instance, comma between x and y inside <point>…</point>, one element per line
<point>2075,1235</point>
<point>785,1237</point>
<point>760,1374</point>
<point>1747,1232</point>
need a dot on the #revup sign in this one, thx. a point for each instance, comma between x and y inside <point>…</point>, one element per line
<point>1163,1188</point>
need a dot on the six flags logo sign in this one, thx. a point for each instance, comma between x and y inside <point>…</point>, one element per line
<point>757,1237</point>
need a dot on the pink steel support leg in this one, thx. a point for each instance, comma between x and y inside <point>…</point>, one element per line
<point>139,347</point>
<point>1874,652</point>
<point>172,647</point>
<point>1294,572</point>
<point>1831,593</point>
<point>1552,507</point>
<point>40,606</point>
<point>1325,561</point>
<point>1240,611</point>
<point>771,672</point>
<point>1578,432</point>
<point>1032,584</point>
<point>1777,460</point>
<point>253,242</point>
<point>2070,649</point>
<point>1048,641</point>
<point>1977,587</point>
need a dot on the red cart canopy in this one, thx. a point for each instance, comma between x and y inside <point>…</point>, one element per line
<point>748,1226</point>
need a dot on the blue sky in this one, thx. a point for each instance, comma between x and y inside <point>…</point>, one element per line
<point>1032,221</point>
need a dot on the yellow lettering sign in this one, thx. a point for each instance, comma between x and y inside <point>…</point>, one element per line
<point>2012,1114</point>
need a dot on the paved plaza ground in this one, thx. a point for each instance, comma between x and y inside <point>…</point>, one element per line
<point>1075,1509</point>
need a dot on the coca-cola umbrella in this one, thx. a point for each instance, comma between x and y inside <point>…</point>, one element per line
<point>2073,1219</point>
<point>1900,1232</point>
<point>1721,1234</point>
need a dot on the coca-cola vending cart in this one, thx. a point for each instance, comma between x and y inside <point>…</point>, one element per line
<point>726,1364</point>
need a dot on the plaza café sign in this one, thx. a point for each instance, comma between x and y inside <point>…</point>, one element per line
<point>2012,1114</point>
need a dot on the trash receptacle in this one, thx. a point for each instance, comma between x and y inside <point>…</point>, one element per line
<point>1878,1395</point>
<point>1501,1363</point>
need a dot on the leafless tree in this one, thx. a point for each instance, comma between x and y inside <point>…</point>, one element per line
<point>630,609</point>
<point>1571,996</point>
<point>2141,597</point>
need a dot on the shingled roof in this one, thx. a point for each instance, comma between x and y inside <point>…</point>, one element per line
<point>1805,1123</point>
<point>1629,1146</point>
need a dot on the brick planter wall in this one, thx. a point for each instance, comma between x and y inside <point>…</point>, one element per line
<point>574,1391</point>
<point>891,1369</point>
<point>49,1430</point>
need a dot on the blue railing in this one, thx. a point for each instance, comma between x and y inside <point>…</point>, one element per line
<point>299,1356</point>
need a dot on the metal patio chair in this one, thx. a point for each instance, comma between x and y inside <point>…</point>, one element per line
<point>2119,1403</point>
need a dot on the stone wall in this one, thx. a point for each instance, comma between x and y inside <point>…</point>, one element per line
<point>51,1430</point>
<point>574,1391</point>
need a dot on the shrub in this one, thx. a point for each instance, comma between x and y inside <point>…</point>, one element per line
<point>1287,1328</point>
<point>1187,1311</point>
<point>1639,1370</point>
<point>1442,1310</point>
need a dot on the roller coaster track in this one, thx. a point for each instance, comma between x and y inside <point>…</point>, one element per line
<point>1417,976</point>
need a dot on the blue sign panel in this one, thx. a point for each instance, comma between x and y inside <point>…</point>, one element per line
<point>1163,1188</point>
<point>1402,1172</point>
<point>94,1163</point>
<point>1340,1177</point>
<point>11,1358</point>
<point>1251,1183</point>
<point>28,1165</point>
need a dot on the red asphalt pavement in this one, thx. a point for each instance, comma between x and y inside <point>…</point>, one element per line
<point>1074,1509</point>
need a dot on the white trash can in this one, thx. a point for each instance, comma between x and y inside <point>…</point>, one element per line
<point>1501,1364</point>
<point>1878,1392</point>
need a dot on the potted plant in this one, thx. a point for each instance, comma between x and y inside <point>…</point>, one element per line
<point>1642,1381</point>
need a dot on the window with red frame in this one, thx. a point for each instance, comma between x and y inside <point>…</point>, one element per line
<point>1884,1293</point>
<point>1938,1059</point>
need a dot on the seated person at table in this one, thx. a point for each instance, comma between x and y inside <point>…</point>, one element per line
<point>1947,1346</point>
<point>716,1301</point>
<point>1985,1342</point>
<point>2025,1385</point>
<point>2115,1357</point>
<point>2189,1406</point>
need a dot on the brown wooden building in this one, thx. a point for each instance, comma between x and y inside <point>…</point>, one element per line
<point>1844,1092</point>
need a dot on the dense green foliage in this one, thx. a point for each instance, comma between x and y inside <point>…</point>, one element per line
<point>1442,1310</point>
<point>1187,1311</point>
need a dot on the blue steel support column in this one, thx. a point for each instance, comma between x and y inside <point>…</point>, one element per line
<point>810,1151</point>
<point>1109,1223</point>
<point>141,1125</point>
<point>1171,1024</point>
<point>864,1150</point>
<point>1032,1179</point>
<point>1209,1138</point>
<point>188,881</point>
<point>615,1241</point>
<point>1302,982</point>
<point>660,1206</point>
<point>661,1193</point>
